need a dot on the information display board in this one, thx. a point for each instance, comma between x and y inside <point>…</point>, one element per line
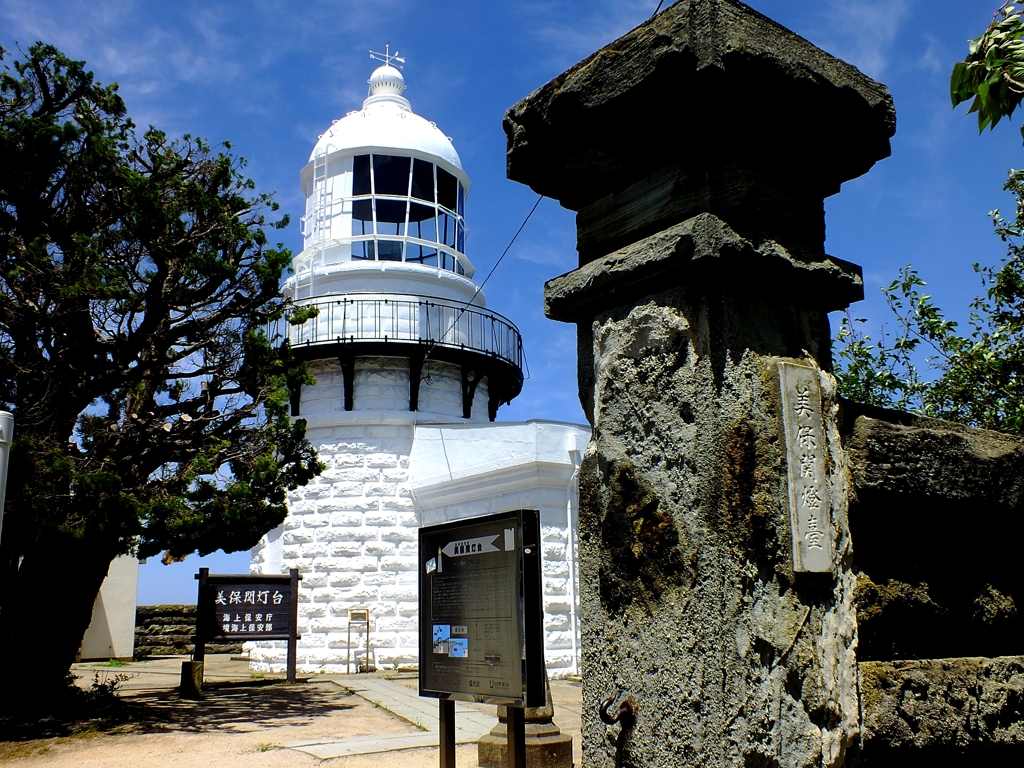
<point>481,614</point>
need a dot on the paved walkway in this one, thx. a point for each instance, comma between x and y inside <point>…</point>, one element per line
<point>403,701</point>
<point>396,694</point>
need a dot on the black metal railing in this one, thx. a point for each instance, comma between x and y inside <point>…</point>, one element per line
<point>404,319</point>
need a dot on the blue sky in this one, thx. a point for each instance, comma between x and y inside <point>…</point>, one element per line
<point>270,76</point>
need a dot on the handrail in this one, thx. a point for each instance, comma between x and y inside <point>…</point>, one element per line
<point>401,318</point>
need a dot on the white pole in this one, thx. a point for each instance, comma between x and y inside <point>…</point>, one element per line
<point>6,435</point>
<point>570,548</point>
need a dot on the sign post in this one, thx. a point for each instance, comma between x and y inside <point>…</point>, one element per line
<point>244,606</point>
<point>481,621</point>
<point>361,615</point>
<point>6,436</point>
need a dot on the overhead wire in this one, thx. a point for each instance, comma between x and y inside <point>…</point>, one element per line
<point>462,310</point>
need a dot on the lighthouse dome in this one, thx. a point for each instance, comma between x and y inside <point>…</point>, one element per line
<point>387,121</point>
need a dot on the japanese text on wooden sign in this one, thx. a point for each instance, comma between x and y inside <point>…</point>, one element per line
<point>237,607</point>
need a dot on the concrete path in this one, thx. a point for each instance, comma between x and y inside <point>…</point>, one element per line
<point>403,701</point>
<point>154,681</point>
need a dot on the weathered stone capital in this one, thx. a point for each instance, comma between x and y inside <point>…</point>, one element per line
<point>703,250</point>
<point>707,107</point>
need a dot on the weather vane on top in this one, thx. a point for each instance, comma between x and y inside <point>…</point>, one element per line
<point>387,57</point>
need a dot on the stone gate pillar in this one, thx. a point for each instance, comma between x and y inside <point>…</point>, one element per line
<point>715,553</point>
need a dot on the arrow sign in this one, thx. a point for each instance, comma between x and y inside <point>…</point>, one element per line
<point>470,546</point>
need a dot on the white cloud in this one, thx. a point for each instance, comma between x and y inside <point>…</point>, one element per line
<point>557,255</point>
<point>935,58</point>
<point>572,35</point>
<point>862,32</point>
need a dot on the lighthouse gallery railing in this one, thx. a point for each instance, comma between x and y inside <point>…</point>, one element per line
<point>399,318</point>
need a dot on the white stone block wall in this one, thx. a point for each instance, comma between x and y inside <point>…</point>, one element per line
<point>352,535</point>
<point>561,653</point>
<point>352,532</point>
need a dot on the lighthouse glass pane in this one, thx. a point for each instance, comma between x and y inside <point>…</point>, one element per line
<point>423,180</point>
<point>459,269</point>
<point>361,175</point>
<point>391,217</point>
<point>460,246</point>
<point>462,201</point>
<point>446,229</point>
<point>447,189</point>
<point>362,217</point>
<point>362,249</point>
<point>389,250</point>
<point>421,222</point>
<point>421,254</point>
<point>391,175</point>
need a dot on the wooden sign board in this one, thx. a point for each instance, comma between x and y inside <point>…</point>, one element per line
<point>243,606</point>
<point>247,608</point>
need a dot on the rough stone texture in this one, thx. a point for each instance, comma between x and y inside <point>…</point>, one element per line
<point>898,453</point>
<point>713,270</point>
<point>689,601</point>
<point>702,257</point>
<point>167,630</point>
<point>703,248</point>
<point>787,124</point>
<point>946,712</point>
<point>937,514</point>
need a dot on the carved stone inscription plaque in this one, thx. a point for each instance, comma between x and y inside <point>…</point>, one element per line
<point>810,508</point>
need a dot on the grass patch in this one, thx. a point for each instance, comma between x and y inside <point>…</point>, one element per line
<point>15,750</point>
<point>88,732</point>
<point>63,714</point>
<point>256,676</point>
<point>266,747</point>
<point>114,663</point>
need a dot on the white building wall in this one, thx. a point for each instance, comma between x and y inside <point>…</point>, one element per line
<point>352,531</point>
<point>352,535</point>
<point>111,632</point>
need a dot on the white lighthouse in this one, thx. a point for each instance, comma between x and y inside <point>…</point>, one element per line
<point>411,368</point>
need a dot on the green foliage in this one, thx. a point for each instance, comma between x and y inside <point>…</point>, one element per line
<point>978,378</point>
<point>992,75</point>
<point>136,278</point>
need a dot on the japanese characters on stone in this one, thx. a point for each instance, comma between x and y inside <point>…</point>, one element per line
<point>809,498</point>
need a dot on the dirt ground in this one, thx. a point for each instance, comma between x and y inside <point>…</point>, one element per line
<point>242,722</point>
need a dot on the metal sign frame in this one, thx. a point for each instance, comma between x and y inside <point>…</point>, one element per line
<point>481,610</point>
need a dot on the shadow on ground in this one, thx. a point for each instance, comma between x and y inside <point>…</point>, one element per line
<point>229,707</point>
<point>239,707</point>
